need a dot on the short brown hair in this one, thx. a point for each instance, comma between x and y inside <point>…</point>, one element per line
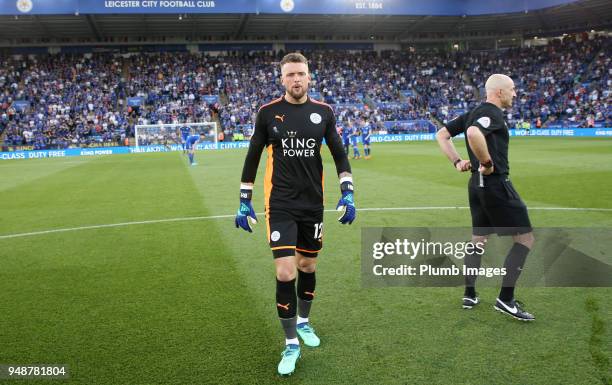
<point>293,57</point>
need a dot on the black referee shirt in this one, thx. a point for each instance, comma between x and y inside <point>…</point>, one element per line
<point>293,135</point>
<point>490,120</point>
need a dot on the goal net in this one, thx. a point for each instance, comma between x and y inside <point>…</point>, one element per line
<point>169,135</point>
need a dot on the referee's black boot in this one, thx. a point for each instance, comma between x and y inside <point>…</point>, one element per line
<point>513,309</point>
<point>470,302</point>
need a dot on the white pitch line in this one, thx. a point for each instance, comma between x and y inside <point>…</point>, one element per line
<point>467,207</point>
<point>184,219</point>
<point>113,225</point>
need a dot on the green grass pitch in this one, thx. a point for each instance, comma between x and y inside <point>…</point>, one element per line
<point>192,301</point>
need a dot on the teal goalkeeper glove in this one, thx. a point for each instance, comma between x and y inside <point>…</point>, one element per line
<point>346,204</point>
<point>245,211</point>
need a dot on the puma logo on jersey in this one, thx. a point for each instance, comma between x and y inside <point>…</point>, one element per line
<point>286,307</point>
<point>280,117</point>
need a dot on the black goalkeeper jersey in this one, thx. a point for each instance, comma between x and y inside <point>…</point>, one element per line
<point>293,135</point>
<point>490,120</point>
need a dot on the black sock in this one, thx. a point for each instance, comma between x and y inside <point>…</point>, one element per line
<point>305,292</point>
<point>289,327</point>
<point>514,265</point>
<point>472,260</point>
<point>286,306</point>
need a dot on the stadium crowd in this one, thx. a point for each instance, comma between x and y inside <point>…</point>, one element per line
<point>56,101</point>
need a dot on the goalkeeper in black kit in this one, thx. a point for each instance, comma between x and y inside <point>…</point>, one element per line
<point>292,129</point>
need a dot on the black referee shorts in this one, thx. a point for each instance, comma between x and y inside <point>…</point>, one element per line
<point>497,207</point>
<point>291,230</point>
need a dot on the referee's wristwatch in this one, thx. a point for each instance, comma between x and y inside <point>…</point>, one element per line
<point>487,164</point>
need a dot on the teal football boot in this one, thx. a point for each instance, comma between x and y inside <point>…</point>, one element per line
<point>307,334</point>
<point>289,358</point>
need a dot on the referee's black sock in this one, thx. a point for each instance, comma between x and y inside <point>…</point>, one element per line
<point>286,307</point>
<point>305,292</point>
<point>514,265</point>
<point>472,260</point>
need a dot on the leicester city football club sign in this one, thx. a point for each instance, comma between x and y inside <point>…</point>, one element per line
<point>355,7</point>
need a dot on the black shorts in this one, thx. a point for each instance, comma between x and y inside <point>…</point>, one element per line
<point>497,207</point>
<point>291,230</point>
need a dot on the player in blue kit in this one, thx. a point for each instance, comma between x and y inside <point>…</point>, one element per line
<point>365,137</point>
<point>354,133</point>
<point>346,136</point>
<point>185,132</point>
<point>191,143</point>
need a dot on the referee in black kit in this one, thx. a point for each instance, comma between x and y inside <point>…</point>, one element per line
<point>495,205</point>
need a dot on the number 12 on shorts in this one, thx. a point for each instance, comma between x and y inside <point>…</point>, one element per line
<point>318,233</point>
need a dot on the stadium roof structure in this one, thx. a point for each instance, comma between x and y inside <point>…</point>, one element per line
<point>572,16</point>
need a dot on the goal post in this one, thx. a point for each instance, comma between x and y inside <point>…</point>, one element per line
<point>170,134</point>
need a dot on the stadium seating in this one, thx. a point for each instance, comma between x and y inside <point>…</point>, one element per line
<point>56,101</point>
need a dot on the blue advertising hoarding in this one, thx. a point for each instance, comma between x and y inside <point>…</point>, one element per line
<point>64,7</point>
<point>360,7</point>
<point>38,7</point>
<point>38,154</point>
<point>558,132</point>
<point>403,7</point>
